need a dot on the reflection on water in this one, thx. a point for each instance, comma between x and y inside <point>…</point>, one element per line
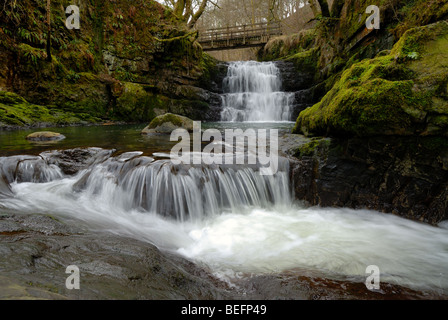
<point>123,138</point>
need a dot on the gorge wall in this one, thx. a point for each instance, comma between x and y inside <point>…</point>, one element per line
<point>129,61</point>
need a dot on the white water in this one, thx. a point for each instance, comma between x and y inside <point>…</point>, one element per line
<point>260,232</point>
<point>253,93</point>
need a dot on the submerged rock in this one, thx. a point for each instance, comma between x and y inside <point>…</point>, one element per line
<point>45,136</point>
<point>168,122</point>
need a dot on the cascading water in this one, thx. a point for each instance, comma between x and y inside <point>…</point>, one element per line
<point>134,182</point>
<point>252,92</point>
<point>228,217</point>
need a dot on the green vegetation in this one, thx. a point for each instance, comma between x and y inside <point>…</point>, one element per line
<point>16,111</point>
<point>126,47</point>
<point>312,148</point>
<point>403,93</point>
<point>137,103</point>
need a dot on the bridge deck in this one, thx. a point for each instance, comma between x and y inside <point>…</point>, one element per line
<point>238,37</point>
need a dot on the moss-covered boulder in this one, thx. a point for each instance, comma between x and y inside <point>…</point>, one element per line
<point>168,122</point>
<point>404,92</point>
<point>45,136</point>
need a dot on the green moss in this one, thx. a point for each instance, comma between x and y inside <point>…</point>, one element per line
<point>209,68</point>
<point>137,104</point>
<point>388,95</point>
<point>413,44</point>
<point>438,144</point>
<point>315,146</point>
<point>16,111</point>
<point>178,121</point>
<point>305,61</point>
<point>415,13</point>
<point>287,46</point>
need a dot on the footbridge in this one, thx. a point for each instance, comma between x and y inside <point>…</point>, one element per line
<point>244,36</point>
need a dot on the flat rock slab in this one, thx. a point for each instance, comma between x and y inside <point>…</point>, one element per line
<point>45,136</point>
<point>37,249</point>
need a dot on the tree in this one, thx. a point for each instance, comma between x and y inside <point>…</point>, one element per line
<point>49,30</point>
<point>322,4</point>
<point>188,10</point>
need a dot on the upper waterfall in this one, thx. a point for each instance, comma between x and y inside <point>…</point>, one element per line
<point>252,92</point>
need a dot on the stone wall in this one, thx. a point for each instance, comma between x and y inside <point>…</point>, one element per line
<point>243,54</point>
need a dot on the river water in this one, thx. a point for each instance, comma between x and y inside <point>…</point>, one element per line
<point>230,219</point>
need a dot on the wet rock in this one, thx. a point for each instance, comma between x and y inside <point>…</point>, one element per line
<point>73,160</point>
<point>5,189</point>
<point>37,249</point>
<point>406,176</point>
<point>28,169</point>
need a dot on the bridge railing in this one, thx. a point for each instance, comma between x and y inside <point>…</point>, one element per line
<point>239,35</point>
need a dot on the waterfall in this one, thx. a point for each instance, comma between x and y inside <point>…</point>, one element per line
<point>252,92</point>
<point>134,182</point>
<point>228,217</point>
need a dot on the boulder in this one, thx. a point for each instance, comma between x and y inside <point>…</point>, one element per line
<point>45,136</point>
<point>166,123</point>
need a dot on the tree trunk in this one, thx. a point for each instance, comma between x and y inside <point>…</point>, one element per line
<point>271,11</point>
<point>179,8</point>
<point>198,14</point>
<point>188,10</point>
<point>324,8</point>
<point>336,8</point>
<point>252,4</point>
<point>49,30</point>
<point>314,8</point>
<point>323,4</point>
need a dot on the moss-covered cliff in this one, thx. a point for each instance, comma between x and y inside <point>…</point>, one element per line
<point>331,45</point>
<point>401,93</point>
<point>122,48</point>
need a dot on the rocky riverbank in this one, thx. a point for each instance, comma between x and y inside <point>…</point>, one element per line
<point>37,249</point>
<point>406,176</point>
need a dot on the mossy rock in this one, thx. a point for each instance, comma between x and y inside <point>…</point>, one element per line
<point>15,111</point>
<point>45,136</point>
<point>168,122</point>
<point>401,93</point>
<point>312,148</point>
<point>137,102</point>
<point>305,61</point>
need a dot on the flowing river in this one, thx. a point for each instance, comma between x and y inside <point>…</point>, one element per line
<point>228,218</point>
